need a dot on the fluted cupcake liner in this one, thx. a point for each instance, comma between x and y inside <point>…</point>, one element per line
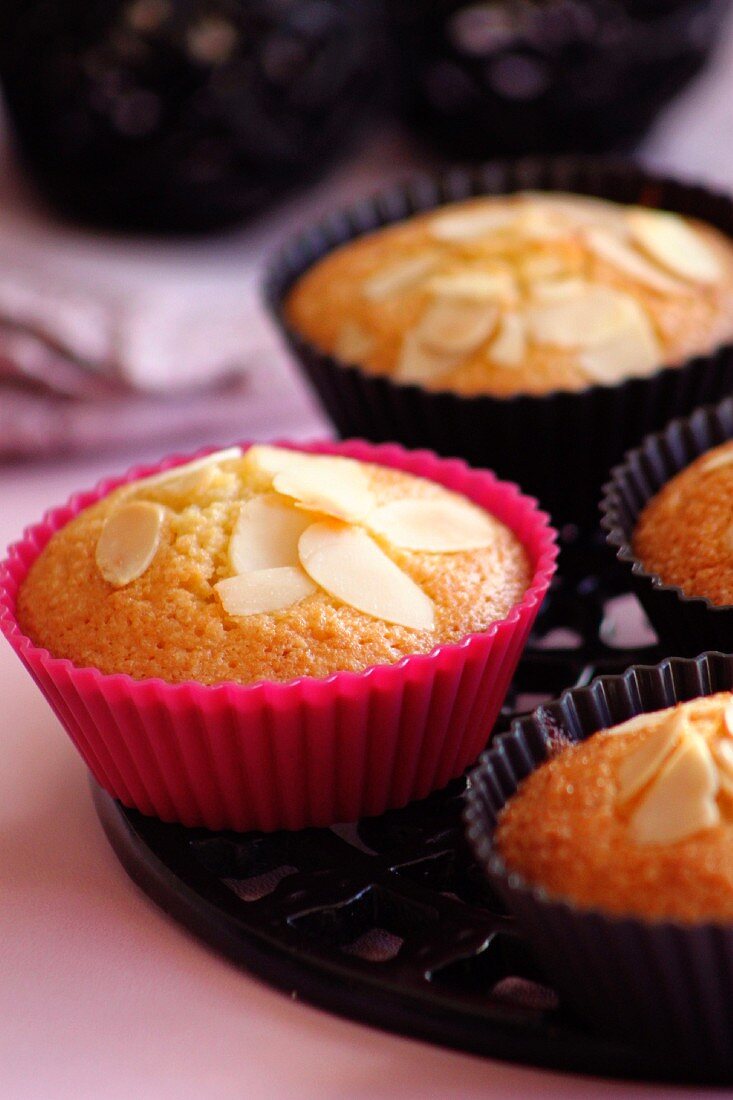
<point>686,624</point>
<point>558,446</point>
<point>663,985</point>
<point>309,751</point>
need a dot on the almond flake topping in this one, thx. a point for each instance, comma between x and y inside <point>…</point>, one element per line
<point>436,526</point>
<point>266,534</point>
<point>728,718</point>
<point>722,458</point>
<point>640,766</point>
<point>589,317</point>
<point>264,590</point>
<point>509,347</point>
<point>576,210</point>
<point>669,240</point>
<point>266,461</point>
<point>466,223</point>
<point>129,541</point>
<point>553,290</point>
<point>306,530</point>
<point>353,343</point>
<point>329,485</point>
<point>186,471</point>
<point>723,753</point>
<point>673,778</point>
<point>419,364</point>
<point>481,286</point>
<point>681,801</point>
<point>642,721</point>
<point>456,326</point>
<point>632,352</point>
<point>615,251</point>
<point>521,271</point>
<point>538,222</point>
<point>349,565</point>
<point>400,277</point>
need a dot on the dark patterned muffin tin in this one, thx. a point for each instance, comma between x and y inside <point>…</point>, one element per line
<point>662,985</point>
<point>558,446</point>
<point>391,921</point>
<point>687,624</point>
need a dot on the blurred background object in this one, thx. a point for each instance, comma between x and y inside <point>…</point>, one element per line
<point>85,367</point>
<point>175,116</point>
<point>546,76</point>
<point>184,115</point>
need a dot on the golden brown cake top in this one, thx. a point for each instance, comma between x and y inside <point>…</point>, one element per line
<point>637,819</point>
<point>525,293</point>
<point>269,565</point>
<point>685,532</point>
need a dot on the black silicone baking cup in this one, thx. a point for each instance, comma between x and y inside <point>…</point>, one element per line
<point>559,446</point>
<point>685,624</point>
<point>661,985</point>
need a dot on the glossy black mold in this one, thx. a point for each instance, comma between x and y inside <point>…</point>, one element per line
<point>559,446</point>
<point>687,624</point>
<point>660,986</point>
<point>391,921</point>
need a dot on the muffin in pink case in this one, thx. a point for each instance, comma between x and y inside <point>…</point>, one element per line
<point>271,637</point>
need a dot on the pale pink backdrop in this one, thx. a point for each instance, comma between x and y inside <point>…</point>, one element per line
<point>100,994</point>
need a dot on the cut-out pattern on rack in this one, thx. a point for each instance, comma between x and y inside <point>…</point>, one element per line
<point>388,920</point>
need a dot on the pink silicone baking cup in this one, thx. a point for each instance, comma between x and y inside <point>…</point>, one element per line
<point>309,751</point>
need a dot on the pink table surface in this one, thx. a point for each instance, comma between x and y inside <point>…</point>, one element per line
<point>102,995</point>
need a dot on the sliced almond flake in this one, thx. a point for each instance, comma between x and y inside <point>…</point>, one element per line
<point>452,326</point>
<point>439,525</point>
<point>481,286</point>
<point>577,210</point>
<point>509,347</point>
<point>553,290</point>
<point>539,222</point>
<point>352,343</point>
<point>681,801</point>
<point>466,222</point>
<point>612,249</point>
<point>674,244</point>
<point>188,485</point>
<point>721,458</point>
<point>186,469</point>
<point>726,782</point>
<point>644,762</point>
<point>266,534</point>
<point>584,319</point>
<point>327,484</point>
<point>349,565</point>
<point>708,709</point>
<point>129,541</point>
<point>419,364</point>
<point>264,590</point>
<point>642,721</point>
<point>265,461</point>
<point>398,277</point>
<point>632,353</point>
<point>724,753</point>
<point>542,266</point>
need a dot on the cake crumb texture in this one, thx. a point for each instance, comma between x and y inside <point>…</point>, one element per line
<point>528,293</point>
<point>169,622</point>
<point>685,532</point>
<point>568,831</point>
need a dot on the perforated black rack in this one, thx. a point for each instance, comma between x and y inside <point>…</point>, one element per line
<point>388,921</point>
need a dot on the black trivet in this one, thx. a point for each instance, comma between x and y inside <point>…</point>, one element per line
<point>389,921</point>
